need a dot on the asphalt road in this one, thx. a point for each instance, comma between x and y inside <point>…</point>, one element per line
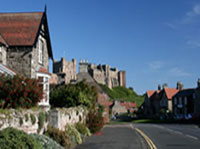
<point>115,137</point>
<point>172,136</point>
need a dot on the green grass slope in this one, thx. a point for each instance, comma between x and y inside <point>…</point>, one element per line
<point>123,94</point>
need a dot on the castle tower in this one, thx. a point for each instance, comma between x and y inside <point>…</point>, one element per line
<point>122,78</point>
<point>83,66</point>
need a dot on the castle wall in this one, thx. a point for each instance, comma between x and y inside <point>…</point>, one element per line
<point>65,70</point>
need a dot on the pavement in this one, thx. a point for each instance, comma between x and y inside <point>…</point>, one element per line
<point>115,137</point>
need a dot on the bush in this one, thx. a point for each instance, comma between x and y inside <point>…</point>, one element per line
<point>59,136</point>
<point>73,133</point>
<point>33,119</point>
<point>11,138</point>
<point>95,121</point>
<point>46,142</point>
<point>41,121</point>
<point>18,92</point>
<point>82,129</point>
<point>73,95</point>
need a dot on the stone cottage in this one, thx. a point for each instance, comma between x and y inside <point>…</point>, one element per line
<point>25,46</point>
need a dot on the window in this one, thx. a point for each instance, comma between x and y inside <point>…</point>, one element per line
<point>185,100</point>
<point>175,101</point>
<point>194,96</point>
<point>180,100</point>
<point>41,48</point>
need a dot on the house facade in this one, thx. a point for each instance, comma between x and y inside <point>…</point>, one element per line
<point>166,99</point>
<point>26,47</point>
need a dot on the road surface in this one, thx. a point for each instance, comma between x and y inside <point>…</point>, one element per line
<point>172,136</point>
<point>115,137</point>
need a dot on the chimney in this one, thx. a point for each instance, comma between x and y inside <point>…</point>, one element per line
<point>165,85</point>
<point>198,83</point>
<point>179,85</point>
<point>159,87</point>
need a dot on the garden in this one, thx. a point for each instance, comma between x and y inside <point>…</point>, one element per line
<point>20,94</point>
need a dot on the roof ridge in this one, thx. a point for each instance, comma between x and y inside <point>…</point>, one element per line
<point>22,12</point>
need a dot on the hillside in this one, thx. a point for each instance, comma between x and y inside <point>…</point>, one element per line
<point>123,94</point>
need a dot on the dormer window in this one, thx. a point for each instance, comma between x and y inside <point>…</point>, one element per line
<point>41,49</point>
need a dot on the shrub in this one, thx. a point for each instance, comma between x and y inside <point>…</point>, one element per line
<point>11,138</point>
<point>59,136</point>
<point>33,119</point>
<point>82,129</point>
<point>72,95</point>
<point>94,121</point>
<point>41,120</point>
<point>18,92</point>
<point>26,117</point>
<point>73,133</point>
<point>46,142</point>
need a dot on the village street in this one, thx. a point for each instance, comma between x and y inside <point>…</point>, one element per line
<point>161,137</point>
<point>115,137</point>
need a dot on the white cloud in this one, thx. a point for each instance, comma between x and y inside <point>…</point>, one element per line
<point>191,15</point>
<point>171,25</point>
<point>177,72</point>
<point>156,65</point>
<point>193,43</point>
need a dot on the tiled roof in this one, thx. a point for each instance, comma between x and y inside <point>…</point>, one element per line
<point>128,105</point>
<point>150,93</point>
<point>20,28</point>
<point>43,70</point>
<point>170,92</point>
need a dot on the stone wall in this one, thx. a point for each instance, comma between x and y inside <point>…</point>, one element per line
<point>19,59</point>
<point>35,55</point>
<point>26,120</point>
<point>58,117</point>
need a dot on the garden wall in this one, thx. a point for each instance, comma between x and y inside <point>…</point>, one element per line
<point>36,120</point>
<point>30,121</point>
<point>59,117</point>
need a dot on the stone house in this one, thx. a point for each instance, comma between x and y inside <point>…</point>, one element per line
<point>65,70</point>
<point>147,103</point>
<point>166,99</point>
<point>26,47</point>
<point>187,102</point>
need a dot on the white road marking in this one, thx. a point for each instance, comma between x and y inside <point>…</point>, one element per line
<point>192,137</point>
<point>178,132</point>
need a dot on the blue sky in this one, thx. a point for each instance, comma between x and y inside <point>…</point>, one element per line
<point>155,41</point>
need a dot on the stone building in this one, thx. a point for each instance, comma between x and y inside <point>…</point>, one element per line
<point>25,46</point>
<point>103,74</point>
<point>65,70</point>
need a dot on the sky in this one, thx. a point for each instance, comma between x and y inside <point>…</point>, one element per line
<point>154,41</point>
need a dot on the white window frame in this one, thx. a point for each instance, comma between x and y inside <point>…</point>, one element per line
<point>46,77</point>
<point>41,51</point>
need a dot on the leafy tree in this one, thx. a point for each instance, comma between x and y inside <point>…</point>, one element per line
<point>72,95</point>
